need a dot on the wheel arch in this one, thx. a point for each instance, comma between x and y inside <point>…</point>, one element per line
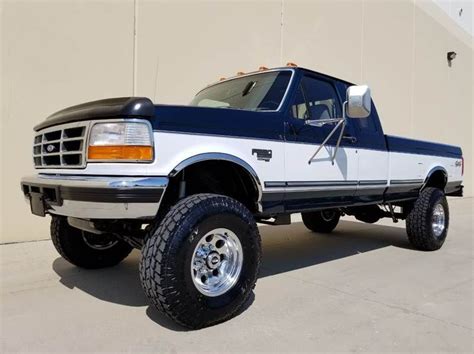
<point>436,177</point>
<point>239,163</point>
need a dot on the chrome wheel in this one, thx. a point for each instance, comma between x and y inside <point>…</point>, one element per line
<point>99,242</point>
<point>438,220</point>
<point>217,262</point>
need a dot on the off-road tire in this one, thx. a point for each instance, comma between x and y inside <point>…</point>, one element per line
<point>70,244</point>
<point>317,222</point>
<point>165,267</point>
<point>418,223</point>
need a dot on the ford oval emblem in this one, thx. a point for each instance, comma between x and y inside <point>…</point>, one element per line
<point>50,148</point>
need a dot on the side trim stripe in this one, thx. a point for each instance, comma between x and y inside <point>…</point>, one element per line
<point>275,184</point>
<point>406,181</point>
<point>305,184</point>
<point>375,182</point>
<point>321,183</point>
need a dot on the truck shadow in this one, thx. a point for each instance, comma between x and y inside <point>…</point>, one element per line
<point>285,248</point>
<point>291,247</point>
<point>119,285</point>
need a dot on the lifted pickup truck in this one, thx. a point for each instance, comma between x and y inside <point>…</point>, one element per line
<point>188,184</point>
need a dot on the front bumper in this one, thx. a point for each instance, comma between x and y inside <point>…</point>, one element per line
<point>94,197</point>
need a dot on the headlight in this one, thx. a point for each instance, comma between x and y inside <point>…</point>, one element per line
<point>120,141</point>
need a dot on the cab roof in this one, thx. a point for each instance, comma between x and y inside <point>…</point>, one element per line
<point>288,67</point>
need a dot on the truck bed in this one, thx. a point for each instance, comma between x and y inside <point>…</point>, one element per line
<point>404,145</point>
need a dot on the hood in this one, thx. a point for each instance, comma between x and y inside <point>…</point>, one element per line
<point>140,107</point>
<point>218,121</point>
<point>183,119</point>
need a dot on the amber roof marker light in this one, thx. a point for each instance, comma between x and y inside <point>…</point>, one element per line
<point>260,68</point>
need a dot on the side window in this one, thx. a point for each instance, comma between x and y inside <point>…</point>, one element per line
<point>299,109</point>
<point>368,124</point>
<point>321,98</point>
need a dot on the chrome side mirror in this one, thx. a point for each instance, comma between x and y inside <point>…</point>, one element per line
<point>359,102</point>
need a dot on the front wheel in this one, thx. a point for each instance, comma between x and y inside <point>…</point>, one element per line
<point>84,249</point>
<point>200,264</point>
<point>428,221</point>
<point>323,221</point>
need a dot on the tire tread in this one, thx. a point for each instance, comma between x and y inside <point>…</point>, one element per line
<point>78,253</point>
<point>154,273</point>
<point>418,220</point>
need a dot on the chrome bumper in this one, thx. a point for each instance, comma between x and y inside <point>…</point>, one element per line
<point>92,197</point>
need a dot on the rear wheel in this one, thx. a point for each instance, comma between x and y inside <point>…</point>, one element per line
<point>200,264</point>
<point>427,222</point>
<point>84,249</point>
<point>323,221</point>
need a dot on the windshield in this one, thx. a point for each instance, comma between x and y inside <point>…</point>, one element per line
<point>257,92</point>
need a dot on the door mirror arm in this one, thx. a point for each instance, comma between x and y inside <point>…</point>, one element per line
<point>321,122</point>
<point>341,122</point>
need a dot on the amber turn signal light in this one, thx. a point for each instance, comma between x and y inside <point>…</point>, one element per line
<point>120,152</point>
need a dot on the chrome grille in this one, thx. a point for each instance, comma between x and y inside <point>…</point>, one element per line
<point>61,146</point>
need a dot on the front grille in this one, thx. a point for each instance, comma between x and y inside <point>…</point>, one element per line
<point>62,146</point>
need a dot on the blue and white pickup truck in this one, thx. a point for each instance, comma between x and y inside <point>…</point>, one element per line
<point>188,184</point>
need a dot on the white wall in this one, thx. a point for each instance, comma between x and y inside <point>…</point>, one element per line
<point>461,11</point>
<point>59,53</point>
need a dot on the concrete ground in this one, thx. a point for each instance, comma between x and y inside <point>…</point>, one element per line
<point>360,289</point>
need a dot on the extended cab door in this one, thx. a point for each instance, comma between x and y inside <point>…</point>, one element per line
<point>373,159</point>
<point>317,183</point>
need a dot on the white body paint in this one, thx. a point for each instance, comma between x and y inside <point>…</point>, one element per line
<point>289,160</point>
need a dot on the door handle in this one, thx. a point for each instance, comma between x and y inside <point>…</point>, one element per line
<point>350,138</point>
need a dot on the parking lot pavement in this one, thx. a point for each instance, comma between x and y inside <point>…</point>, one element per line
<point>361,288</point>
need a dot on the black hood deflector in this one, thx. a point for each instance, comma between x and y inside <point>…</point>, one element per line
<point>122,107</point>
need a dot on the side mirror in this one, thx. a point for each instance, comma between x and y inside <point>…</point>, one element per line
<point>359,102</point>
